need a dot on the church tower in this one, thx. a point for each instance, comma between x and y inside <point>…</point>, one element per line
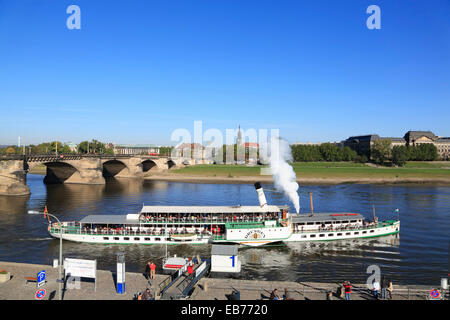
<point>239,136</point>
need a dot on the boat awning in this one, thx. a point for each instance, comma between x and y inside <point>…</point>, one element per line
<point>108,219</point>
<point>210,209</point>
<point>296,218</point>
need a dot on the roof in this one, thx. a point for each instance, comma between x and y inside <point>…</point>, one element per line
<point>325,217</point>
<point>369,137</point>
<point>224,250</point>
<point>107,219</point>
<point>414,135</point>
<point>209,209</point>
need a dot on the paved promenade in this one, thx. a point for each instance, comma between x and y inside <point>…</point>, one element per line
<point>207,289</point>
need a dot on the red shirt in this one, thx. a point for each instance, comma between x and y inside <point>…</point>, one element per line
<point>190,269</point>
<point>152,266</point>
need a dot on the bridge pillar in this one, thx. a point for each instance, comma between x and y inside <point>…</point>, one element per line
<point>89,171</point>
<point>133,168</point>
<point>13,178</point>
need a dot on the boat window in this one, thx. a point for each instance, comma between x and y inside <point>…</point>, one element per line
<point>371,231</point>
<point>304,236</point>
<point>126,238</point>
<point>356,232</point>
<point>157,239</point>
<point>147,239</point>
<point>318,222</point>
<point>312,236</point>
<point>331,234</point>
<point>310,223</point>
<point>364,232</point>
<point>348,233</point>
<point>321,235</point>
<point>301,224</point>
<point>116,238</point>
<point>137,239</point>
<point>105,238</point>
<point>339,234</point>
<point>353,221</point>
<point>327,222</point>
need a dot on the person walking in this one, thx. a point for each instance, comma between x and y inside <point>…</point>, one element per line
<point>347,290</point>
<point>147,271</point>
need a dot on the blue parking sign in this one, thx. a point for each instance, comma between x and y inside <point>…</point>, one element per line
<point>41,278</point>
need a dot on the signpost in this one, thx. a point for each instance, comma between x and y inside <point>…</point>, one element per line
<point>41,278</point>
<point>40,294</point>
<point>435,294</point>
<point>81,268</point>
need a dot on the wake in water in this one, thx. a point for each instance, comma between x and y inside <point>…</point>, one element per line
<point>36,239</point>
<point>283,174</point>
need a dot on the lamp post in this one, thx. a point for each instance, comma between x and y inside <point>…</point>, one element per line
<point>60,280</point>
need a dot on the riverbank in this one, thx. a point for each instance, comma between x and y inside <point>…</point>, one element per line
<point>314,173</point>
<point>435,172</point>
<point>17,287</point>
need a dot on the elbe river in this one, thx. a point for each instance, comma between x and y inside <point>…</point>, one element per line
<point>419,255</point>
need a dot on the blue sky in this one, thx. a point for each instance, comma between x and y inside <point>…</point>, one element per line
<point>137,70</point>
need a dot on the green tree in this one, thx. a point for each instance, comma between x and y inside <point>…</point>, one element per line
<point>381,150</point>
<point>93,146</point>
<point>400,154</point>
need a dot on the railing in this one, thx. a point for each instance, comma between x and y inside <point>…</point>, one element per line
<point>378,225</point>
<point>74,230</point>
<point>72,155</point>
<point>205,220</point>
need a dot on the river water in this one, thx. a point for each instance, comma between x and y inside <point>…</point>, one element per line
<point>418,255</point>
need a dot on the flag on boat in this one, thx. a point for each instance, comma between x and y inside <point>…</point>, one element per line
<point>45,212</point>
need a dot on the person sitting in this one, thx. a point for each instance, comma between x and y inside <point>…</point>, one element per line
<point>274,295</point>
<point>147,295</point>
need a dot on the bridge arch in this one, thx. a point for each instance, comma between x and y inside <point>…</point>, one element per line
<point>148,165</point>
<point>114,167</point>
<point>171,164</point>
<point>58,172</point>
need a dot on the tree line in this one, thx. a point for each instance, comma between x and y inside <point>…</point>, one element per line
<point>382,152</point>
<point>325,152</point>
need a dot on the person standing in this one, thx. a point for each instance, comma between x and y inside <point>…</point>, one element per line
<point>384,286</point>
<point>152,270</point>
<point>390,288</point>
<point>147,271</point>
<point>376,289</point>
<point>347,290</point>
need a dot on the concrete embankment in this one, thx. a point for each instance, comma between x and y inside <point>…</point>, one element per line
<point>17,287</point>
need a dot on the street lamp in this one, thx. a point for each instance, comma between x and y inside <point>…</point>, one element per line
<point>60,280</point>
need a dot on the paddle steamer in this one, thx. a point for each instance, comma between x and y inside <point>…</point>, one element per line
<point>244,225</point>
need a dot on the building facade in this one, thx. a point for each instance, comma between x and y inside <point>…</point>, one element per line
<point>143,149</point>
<point>363,144</point>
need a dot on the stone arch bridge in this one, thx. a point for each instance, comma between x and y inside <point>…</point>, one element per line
<point>84,169</point>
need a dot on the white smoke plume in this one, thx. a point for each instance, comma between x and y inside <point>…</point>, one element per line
<point>283,174</point>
